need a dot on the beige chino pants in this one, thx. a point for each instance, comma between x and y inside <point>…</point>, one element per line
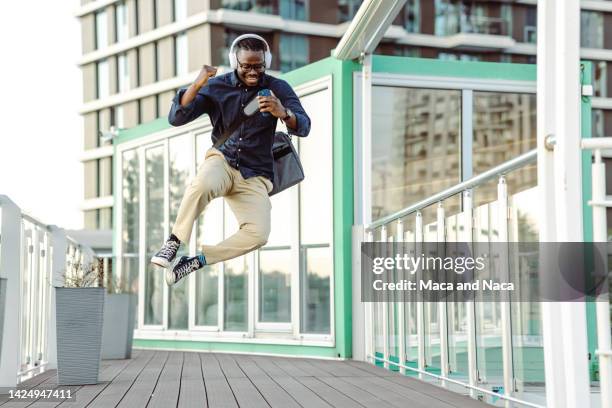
<point>248,199</point>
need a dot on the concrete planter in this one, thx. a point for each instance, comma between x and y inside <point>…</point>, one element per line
<point>118,331</point>
<point>80,315</point>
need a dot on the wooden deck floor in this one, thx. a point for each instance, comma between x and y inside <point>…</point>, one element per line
<point>185,379</point>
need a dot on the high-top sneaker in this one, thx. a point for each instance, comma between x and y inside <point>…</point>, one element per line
<point>167,253</point>
<point>184,267</point>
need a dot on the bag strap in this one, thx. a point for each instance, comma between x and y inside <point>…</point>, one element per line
<point>242,118</point>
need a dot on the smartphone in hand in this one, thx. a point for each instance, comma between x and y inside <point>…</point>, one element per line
<point>264,92</point>
<point>253,106</point>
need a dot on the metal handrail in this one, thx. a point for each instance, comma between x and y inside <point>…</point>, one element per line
<point>497,171</point>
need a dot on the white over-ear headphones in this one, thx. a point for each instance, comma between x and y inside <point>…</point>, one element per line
<point>232,54</point>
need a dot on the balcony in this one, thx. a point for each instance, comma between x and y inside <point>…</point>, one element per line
<point>181,379</point>
<point>474,33</point>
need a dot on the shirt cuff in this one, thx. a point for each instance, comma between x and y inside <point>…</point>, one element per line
<point>184,110</point>
<point>302,125</point>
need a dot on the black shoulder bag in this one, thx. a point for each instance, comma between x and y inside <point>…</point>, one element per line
<point>288,170</point>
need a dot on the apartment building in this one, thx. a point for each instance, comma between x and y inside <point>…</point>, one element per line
<point>137,53</point>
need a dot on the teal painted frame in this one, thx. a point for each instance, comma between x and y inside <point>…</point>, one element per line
<point>342,145</point>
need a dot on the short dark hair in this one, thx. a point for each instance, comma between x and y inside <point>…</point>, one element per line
<point>251,44</point>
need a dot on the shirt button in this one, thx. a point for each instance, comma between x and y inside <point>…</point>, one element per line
<point>238,149</point>
<point>240,139</point>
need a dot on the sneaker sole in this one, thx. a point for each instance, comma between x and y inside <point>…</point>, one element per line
<point>169,276</point>
<point>161,262</point>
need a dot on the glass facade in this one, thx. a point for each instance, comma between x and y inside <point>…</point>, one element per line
<point>154,233</point>
<point>460,16</point>
<point>103,88</point>
<point>424,129</point>
<point>347,9</point>
<point>293,9</point>
<point>416,151</point>
<point>591,29</point>
<point>284,287</point>
<point>181,54</point>
<point>130,238</point>
<point>256,6</point>
<point>293,51</point>
<point>121,22</point>
<point>101,29</point>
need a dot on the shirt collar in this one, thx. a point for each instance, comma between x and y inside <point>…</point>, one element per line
<point>263,81</point>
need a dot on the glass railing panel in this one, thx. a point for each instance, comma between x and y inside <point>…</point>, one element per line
<point>488,311</point>
<point>458,229</point>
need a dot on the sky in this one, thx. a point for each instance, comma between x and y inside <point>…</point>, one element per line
<point>41,135</point>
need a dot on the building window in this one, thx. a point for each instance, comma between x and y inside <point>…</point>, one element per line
<point>600,79</point>
<point>347,9</point>
<point>411,16</point>
<point>293,9</point>
<point>121,22</point>
<point>530,31</point>
<point>127,281</point>
<point>180,54</point>
<point>418,135</point>
<point>180,10</point>
<point>450,56</point>
<point>101,30</point>
<point>506,19</point>
<point>591,29</point>
<point>123,73</point>
<point>456,16</point>
<point>293,51</point>
<point>120,117</point>
<point>597,119</point>
<point>255,6</point>
<point>102,76</point>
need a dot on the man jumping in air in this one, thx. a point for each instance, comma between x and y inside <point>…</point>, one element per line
<point>241,169</point>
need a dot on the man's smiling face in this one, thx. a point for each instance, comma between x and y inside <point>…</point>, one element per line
<point>251,66</point>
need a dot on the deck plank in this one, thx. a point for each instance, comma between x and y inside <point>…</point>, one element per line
<point>218,390</point>
<point>141,390</point>
<point>297,390</point>
<point>115,391</point>
<point>269,389</point>
<point>330,395</point>
<point>166,392</point>
<point>398,400</point>
<point>192,393</point>
<point>160,379</point>
<point>357,393</point>
<point>451,397</point>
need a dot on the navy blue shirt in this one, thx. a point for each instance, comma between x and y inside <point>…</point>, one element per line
<point>249,148</point>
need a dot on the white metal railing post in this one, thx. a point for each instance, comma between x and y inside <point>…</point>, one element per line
<point>370,346</point>
<point>564,329</point>
<point>420,310</point>
<point>10,270</point>
<point>360,328</point>
<point>400,303</point>
<point>504,276</point>
<point>385,305</point>
<point>59,246</point>
<point>442,310</point>
<point>470,304</point>
<point>602,306</point>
